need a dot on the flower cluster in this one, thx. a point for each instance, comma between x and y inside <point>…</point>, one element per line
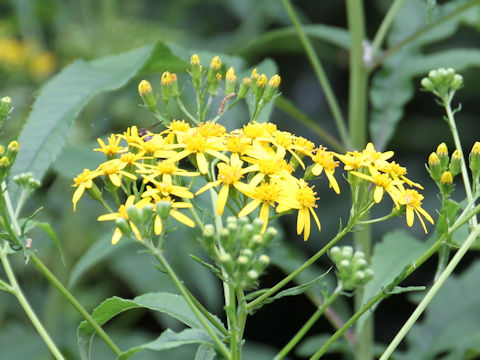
<point>254,168</point>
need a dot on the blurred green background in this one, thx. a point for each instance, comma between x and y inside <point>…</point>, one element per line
<point>39,38</point>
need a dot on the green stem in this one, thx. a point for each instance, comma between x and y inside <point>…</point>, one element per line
<point>185,111</point>
<point>72,300</point>
<point>320,73</point>
<point>52,278</point>
<point>17,291</point>
<point>291,109</point>
<point>431,293</point>
<point>458,145</point>
<point>252,304</point>
<point>420,32</point>
<point>313,319</point>
<point>385,26</point>
<point>357,121</point>
<point>232,325</point>
<point>184,292</point>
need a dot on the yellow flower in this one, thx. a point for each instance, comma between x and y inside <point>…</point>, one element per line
<point>177,215</point>
<point>399,172</point>
<point>228,174</point>
<point>383,182</point>
<point>413,206</point>
<point>165,170</point>
<point>122,213</point>
<point>323,160</point>
<point>113,170</point>
<point>164,189</point>
<point>264,195</point>
<point>112,148</point>
<point>195,143</point>
<point>372,157</point>
<point>305,202</point>
<point>82,181</point>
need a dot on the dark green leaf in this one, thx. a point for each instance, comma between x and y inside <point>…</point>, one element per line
<point>170,340</point>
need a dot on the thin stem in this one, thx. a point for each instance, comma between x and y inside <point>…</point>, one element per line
<point>380,219</point>
<point>17,291</point>
<point>320,73</point>
<point>431,293</point>
<point>252,304</point>
<point>161,259</point>
<point>420,32</point>
<point>313,319</point>
<point>72,300</point>
<point>289,108</point>
<point>232,325</point>
<point>185,111</point>
<point>385,26</point>
<point>458,145</point>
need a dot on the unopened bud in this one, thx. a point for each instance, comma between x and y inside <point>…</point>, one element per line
<point>227,262</point>
<point>455,163</point>
<point>163,209</point>
<point>272,88</point>
<point>5,107</point>
<point>457,82</point>
<point>446,178</point>
<point>427,84</point>
<point>442,153</point>
<point>146,93</point>
<point>474,158</point>
<point>244,87</point>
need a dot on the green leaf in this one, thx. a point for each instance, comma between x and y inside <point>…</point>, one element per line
<point>451,320</point>
<point>392,86</point>
<point>104,312</point>
<point>76,157</point>
<point>171,304</point>
<point>390,257</point>
<point>211,267</point>
<point>60,101</point>
<point>287,39</point>
<point>311,344</point>
<point>170,340</point>
<point>401,290</point>
<point>205,352</point>
<point>47,228</point>
<point>99,251</point>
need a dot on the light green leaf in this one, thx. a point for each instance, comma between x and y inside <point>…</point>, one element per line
<point>205,352</point>
<point>451,321</point>
<point>390,256</point>
<point>47,228</point>
<point>60,101</point>
<point>170,340</point>
<point>76,157</point>
<point>99,251</point>
<point>401,290</point>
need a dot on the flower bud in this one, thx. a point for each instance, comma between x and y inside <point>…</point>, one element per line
<point>474,158</point>
<point>230,81</point>
<point>442,153</point>
<point>123,225</point>
<point>253,275</point>
<point>434,167</point>
<point>227,262</point>
<point>12,151</point>
<point>257,225</point>
<point>262,263</point>
<point>335,254</point>
<point>243,264</point>
<point>347,252</point>
<point>457,82</point>
<point>95,193</point>
<point>246,234</point>
<point>244,87</point>
<point>174,90</point>
<point>455,163</point>
<point>272,88</point>
<point>428,84</point>
<point>196,71</point>
<point>4,167</point>
<point>166,82</point>
<point>447,178</point>
<point>5,108</point>
<point>259,86</point>
<point>269,235</point>
<point>163,209</point>
<point>256,242</point>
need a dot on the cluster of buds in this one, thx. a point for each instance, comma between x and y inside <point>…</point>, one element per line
<point>443,168</point>
<point>239,247</point>
<point>442,82</point>
<point>7,157</point>
<point>352,267</point>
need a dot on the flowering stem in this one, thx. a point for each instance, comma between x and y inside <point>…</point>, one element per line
<point>185,111</point>
<point>453,128</point>
<point>184,292</point>
<point>14,288</point>
<point>320,73</point>
<point>313,319</point>
<point>431,293</point>
<point>256,302</point>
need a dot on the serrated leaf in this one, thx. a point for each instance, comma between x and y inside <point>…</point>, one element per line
<point>61,99</point>
<point>76,157</point>
<point>100,250</point>
<point>170,340</point>
<point>451,320</point>
<point>205,352</point>
<point>390,257</point>
<point>392,86</point>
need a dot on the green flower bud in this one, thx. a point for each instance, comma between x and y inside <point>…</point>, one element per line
<point>95,193</point>
<point>230,81</point>
<point>257,225</point>
<point>196,71</point>
<point>272,88</point>
<point>12,151</point>
<point>146,93</point>
<point>227,263</point>
<point>134,214</point>
<point>442,153</point>
<point>246,233</point>
<point>269,235</point>
<point>358,278</point>
<point>243,264</point>
<point>261,263</point>
<point>163,209</point>
<point>209,236</point>
<point>244,87</point>
<point>428,84</point>
<point>256,242</point>
<point>166,82</point>
<point>434,167</point>
<point>247,253</point>
<point>5,108</point>
<point>174,90</point>
<point>347,252</point>
<point>253,275</point>
<point>474,158</point>
<point>123,225</point>
<point>457,82</point>
<point>455,163</point>
<point>344,266</point>
<point>225,239</point>
<point>335,254</point>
